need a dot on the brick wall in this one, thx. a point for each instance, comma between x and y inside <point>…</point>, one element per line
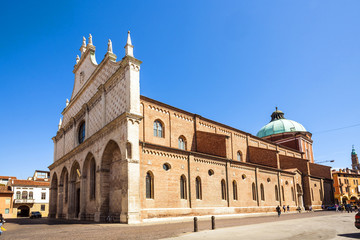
<point>211,143</point>
<point>320,170</point>
<point>262,156</point>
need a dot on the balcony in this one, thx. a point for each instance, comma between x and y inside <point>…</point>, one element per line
<point>23,200</point>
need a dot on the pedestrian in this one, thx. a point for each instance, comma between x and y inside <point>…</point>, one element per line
<point>288,208</point>
<point>284,208</point>
<point>2,221</point>
<point>278,209</point>
<point>310,209</point>
<point>299,209</point>
<point>336,207</point>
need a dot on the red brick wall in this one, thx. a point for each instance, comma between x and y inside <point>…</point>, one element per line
<point>211,143</point>
<point>291,162</point>
<point>320,170</point>
<point>262,156</point>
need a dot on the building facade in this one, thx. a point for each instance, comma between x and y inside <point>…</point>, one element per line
<point>30,195</point>
<point>6,204</point>
<point>346,182</point>
<point>124,155</point>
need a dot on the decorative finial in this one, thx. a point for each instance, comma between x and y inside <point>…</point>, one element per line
<point>110,50</point>
<point>128,39</point>
<point>129,48</point>
<point>60,123</point>
<point>84,42</point>
<point>83,46</point>
<point>276,108</point>
<point>90,40</point>
<point>67,102</point>
<point>77,59</point>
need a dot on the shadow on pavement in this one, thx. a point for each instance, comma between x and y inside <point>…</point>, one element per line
<point>351,235</point>
<point>47,221</point>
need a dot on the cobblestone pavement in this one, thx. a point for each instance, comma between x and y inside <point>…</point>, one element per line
<point>64,229</point>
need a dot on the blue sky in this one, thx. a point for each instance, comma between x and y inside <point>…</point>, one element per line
<point>230,61</point>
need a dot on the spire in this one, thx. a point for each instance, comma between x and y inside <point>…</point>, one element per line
<point>77,59</point>
<point>83,46</point>
<point>60,123</point>
<point>129,48</point>
<point>90,40</point>
<point>110,50</point>
<point>277,115</point>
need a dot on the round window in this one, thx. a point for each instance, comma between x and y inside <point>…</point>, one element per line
<point>243,176</point>
<point>211,172</point>
<point>286,183</point>
<point>166,166</point>
<point>268,180</point>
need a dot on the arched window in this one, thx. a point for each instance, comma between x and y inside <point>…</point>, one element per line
<point>158,129</point>
<point>312,194</point>
<point>276,193</point>
<point>235,195</point>
<point>253,191</point>
<point>31,195</point>
<point>24,195</point>
<point>149,185</point>
<point>182,143</point>
<point>81,134</point>
<point>239,156</point>
<point>18,195</point>
<point>262,192</point>
<point>292,194</point>
<point>92,179</point>
<point>198,188</point>
<point>66,183</point>
<point>183,187</point>
<point>223,190</point>
<point>283,192</point>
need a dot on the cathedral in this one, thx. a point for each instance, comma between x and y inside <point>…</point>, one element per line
<point>122,155</point>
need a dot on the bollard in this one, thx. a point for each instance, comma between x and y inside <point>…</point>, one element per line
<point>212,222</point>
<point>195,224</point>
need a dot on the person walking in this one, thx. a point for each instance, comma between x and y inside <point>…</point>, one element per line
<point>278,209</point>
<point>288,208</point>
<point>284,208</point>
<point>2,221</point>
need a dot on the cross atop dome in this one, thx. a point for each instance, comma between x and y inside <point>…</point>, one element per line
<point>277,115</point>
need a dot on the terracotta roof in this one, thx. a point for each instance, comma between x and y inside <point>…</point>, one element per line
<point>4,189</point>
<point>7,177</point>
<point>18,182</point>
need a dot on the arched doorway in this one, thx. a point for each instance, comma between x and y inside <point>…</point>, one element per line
<point>111,172</point>
<point>53,196</point>
<point>23,211</point>
<point>74,191</point>
<point>88,188</point>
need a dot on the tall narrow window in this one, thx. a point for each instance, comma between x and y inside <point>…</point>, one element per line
<point>92,179</point>
<point>66,183</point>
<point>182,143</point>
<point>183,187</point>
<point>198,188</point>
<point>283,193</point>
<point>235,195</point>
<point>81,135</point>
<point>149,185</point>
<point>292,194</point>
<point>253,191</point>
<point>321,196</point>
<point>31,195</point>
<point>128,150</point>
<point>158,129</point>
<point>239,156</point>
<point>262,192</point>
<point>18,195</point>
<point>276,193</point>
<point>24,195</point>
<point>223,190</point>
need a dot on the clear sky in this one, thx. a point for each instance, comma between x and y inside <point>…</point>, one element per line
<point>230,61</point>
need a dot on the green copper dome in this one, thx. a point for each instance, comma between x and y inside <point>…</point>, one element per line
<point>279,124</point>
<point>353,152</point>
